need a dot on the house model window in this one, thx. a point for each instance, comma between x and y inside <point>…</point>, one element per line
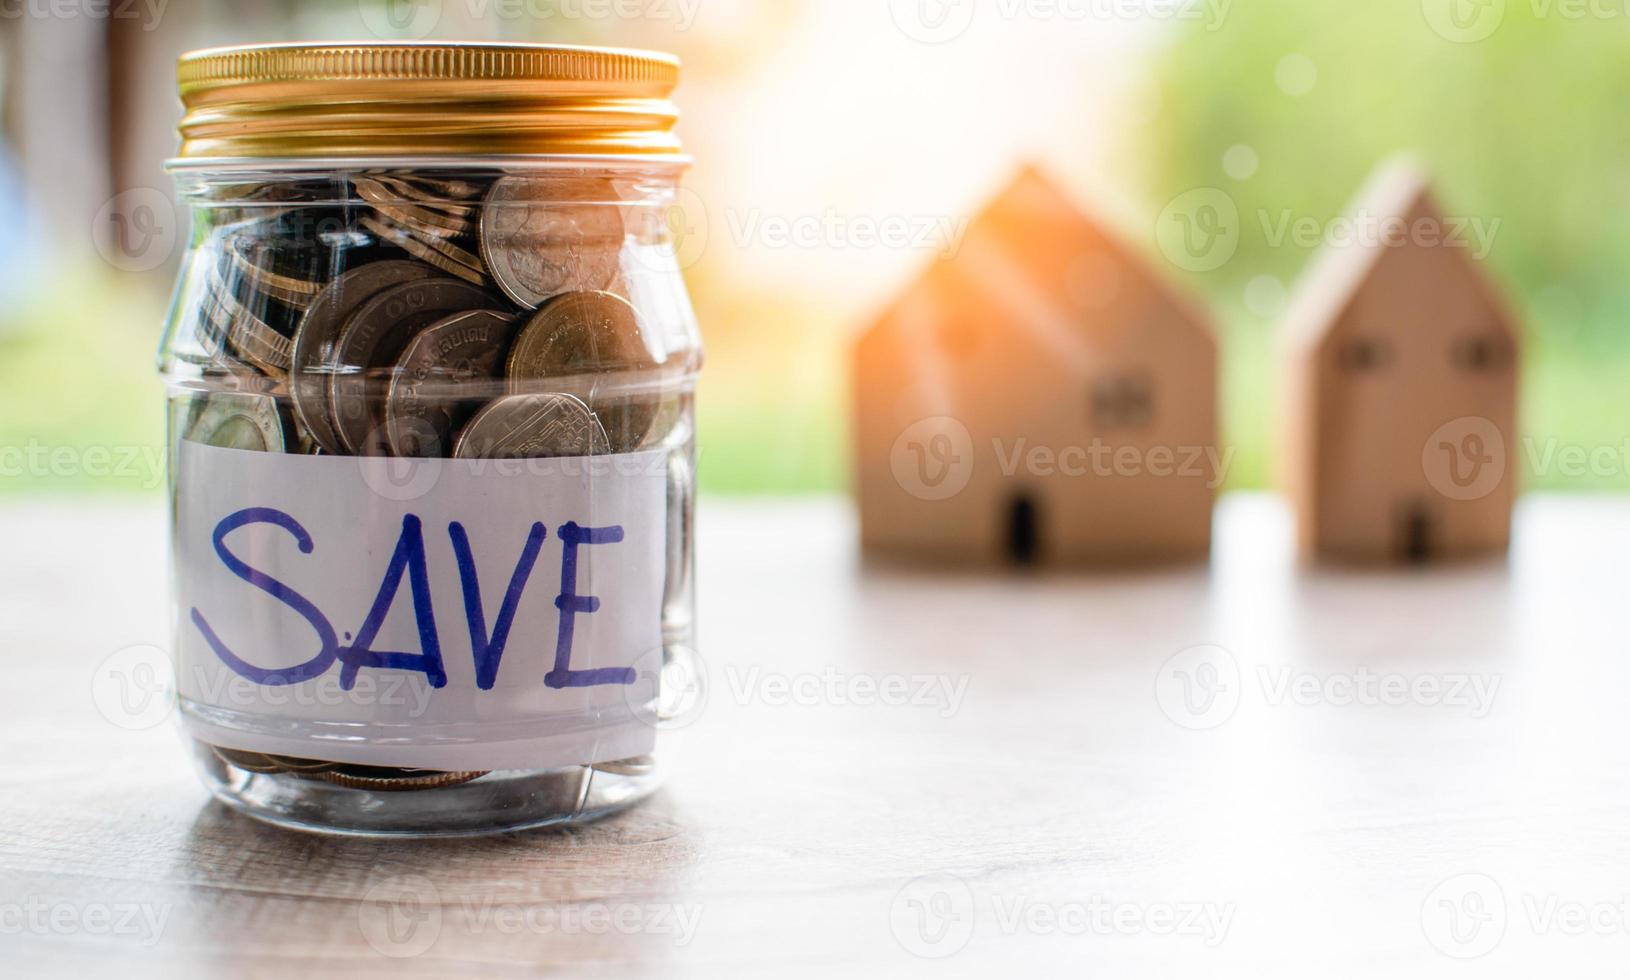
<point>1365,354</point>
<point>1122,401</point>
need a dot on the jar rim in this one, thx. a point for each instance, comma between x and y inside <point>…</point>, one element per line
<point>675,162</point>
<point>326,100</point>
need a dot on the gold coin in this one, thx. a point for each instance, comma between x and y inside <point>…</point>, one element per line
<point>385,780</point>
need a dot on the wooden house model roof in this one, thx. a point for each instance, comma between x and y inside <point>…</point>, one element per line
<point>1018,250</point>
<point>1399,192</point>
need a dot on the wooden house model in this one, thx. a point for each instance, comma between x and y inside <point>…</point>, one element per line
<point>1400,406</point>
<point>1040,394</point>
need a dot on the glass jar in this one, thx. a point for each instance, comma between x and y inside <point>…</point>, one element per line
<point>430,370</point>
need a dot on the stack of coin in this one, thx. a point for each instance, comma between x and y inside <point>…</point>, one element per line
<point>395,315</point>
<point>412,313</point>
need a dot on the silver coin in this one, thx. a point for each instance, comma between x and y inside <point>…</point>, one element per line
<point>320,328</point>
<point>371,341</point>
<point>541,237</point>
<point>231,420</point>
<point>408,213</point>
<point>539,426</point>
<point>247,336</point>
<point>407,191</point>
<point>253,261</point>
<point>591,335</point>
<point>444,255</point>
<point>438,372</point>
<point>425,187</point>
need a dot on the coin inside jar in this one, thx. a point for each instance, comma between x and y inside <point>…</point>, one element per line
<point>590,335</point>
<point>539,426</point>
<point>394,780</point>
<point>230,420</point>
<point>542,237</point>
<point>289,275</point>
<point>320,328</point>
<point>429,396</point>
<point>409,213</point>
<point>444,255</point>
<point>370,343</point>
<point>244,333</point>
<point>431,188</point>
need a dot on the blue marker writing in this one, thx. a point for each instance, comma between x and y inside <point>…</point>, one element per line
<point>409,559</point>
<point>277,590</point>
<point>489,652</point>
<point>571,605</point>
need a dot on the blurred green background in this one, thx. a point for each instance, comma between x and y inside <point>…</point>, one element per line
<point>1522,127</point>
<point>1286,106</point>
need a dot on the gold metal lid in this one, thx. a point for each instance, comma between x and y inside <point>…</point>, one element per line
<point>283,101</point>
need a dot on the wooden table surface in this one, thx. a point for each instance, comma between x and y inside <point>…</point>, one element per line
<point>1242,770</point>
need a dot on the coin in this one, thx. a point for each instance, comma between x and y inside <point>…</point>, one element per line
<point>408,214</point>
<point>312,357</point>
<point>231,420</point>
<point>581,333</point>
<point>539,426</point>
<point>408,191</point>
<point>445,256</point>
<point>247,336</point>
<point>433,188</point>
<point>592,334</point>
<point>542,237</point>
<point>372,339</point>
<point>430,393</point>
<point>396,780</point>
<point>212,329</point>
<point>276,271</point>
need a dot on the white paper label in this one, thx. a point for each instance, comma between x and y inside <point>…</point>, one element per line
<point>438,614</point>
